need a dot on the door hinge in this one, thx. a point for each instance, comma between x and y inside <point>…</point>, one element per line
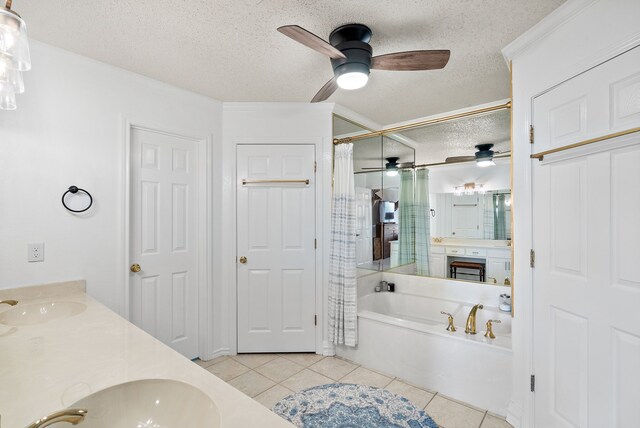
<point>533,383</point>
<point>315,244</point>
<point>315,320</point>
<point>532,258</point>
<point>530,134</point>
<point>315,167</point>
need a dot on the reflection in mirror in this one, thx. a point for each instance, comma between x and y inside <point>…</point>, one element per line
<point>426,206</point>
<point>461,210</point>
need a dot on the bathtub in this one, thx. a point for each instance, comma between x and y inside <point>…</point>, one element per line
<point>404,335</point>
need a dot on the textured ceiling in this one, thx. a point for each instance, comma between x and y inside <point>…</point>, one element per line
<point>433,143</point>
<point>459,137</point>
<point>230,49</point>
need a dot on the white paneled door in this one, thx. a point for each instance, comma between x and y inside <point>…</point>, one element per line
<point>164,238</point>
<point>276,248</point>
<point>586,235</point>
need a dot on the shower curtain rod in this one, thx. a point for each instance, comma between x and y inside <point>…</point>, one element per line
<point>504,106</point>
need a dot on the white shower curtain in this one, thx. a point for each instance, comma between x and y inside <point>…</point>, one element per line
<point>422,222</point>
<point>343,313</point>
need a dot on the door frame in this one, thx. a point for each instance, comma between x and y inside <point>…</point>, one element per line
<point>322,153</point>
<point>205,222</point>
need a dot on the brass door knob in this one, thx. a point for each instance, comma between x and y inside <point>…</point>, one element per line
<point>135,268</point>
<point>243,260</point>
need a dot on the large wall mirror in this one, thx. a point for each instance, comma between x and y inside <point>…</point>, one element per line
<point>428,205</point>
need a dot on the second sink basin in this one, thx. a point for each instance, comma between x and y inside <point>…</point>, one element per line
<point>39,313</point>
<point>149,403</point>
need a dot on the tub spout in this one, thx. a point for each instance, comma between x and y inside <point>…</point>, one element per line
<point>470,327</point>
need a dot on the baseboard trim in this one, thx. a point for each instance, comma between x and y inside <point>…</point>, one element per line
<point>514,414</point>
<point>215,354</point>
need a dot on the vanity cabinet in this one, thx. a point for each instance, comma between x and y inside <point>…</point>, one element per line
<point>438,262</point>
<point>498,265</point>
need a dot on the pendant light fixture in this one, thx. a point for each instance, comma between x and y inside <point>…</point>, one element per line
<point>14,56</point>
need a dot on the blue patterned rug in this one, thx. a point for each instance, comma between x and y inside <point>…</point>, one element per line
<point>340,405</point>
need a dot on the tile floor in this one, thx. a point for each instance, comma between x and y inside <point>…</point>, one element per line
<point>270,377</point>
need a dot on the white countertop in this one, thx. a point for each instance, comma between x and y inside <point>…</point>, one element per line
<point>475,243</point>
<point>47,367</point>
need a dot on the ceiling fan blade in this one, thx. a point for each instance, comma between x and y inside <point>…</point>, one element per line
<point>411,60</point>
<point>326,91</point>
<point>310,40</point>
<point>454,159</point>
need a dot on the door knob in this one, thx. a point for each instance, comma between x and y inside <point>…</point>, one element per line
<point>135,268</point>
<point>243,259</point>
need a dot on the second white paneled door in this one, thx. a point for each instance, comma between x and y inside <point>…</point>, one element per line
<point>164,238</point>
<point>276,248</point>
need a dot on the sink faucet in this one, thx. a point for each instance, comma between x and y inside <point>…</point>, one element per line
<point>9,302</point>
<point>72,416</point>
<point>470,327</point>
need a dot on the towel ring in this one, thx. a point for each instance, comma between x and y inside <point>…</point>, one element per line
<point>74,190</point>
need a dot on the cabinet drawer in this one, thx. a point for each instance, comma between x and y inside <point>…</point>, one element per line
<point>476,252</point>
<point>455,250</point>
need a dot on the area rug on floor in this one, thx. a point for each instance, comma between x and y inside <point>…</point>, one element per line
<point>340,405</point>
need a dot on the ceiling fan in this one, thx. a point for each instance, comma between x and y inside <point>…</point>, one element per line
<point>392,166</point>
<point>352,60</point>
<point>484,156</point>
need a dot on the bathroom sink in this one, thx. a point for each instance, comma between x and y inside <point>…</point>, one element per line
<point>39,313</point>
<point>149,403</point>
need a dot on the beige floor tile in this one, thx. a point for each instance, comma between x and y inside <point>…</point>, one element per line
<point>450,414</point>
<point>362,376</point>
<point>211,362</point>
<point>279,369</point>
<point>491,421</point>
<point>228,369</point>
<point>305,379</point>
<point>254,360</point>
<point>251,383</point>
<point>333,367</point>
<point>272,395</point>
<point>419,397</point>
<point>303,359</point>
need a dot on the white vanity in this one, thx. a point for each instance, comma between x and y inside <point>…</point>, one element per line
<point>495,254</point>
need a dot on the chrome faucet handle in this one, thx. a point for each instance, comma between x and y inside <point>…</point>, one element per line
<point>72,416</point>
<point>489,332</point>
<point>450,327</point>
<point>9,302</point>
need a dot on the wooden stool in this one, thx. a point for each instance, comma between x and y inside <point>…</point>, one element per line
<point>480,267</point>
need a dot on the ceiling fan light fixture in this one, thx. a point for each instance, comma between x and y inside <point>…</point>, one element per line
<point>484,155</point>
<point>391,166</point>
<point>352,76</point>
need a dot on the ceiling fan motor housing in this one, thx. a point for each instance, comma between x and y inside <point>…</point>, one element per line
<point>484,151</point>
<point>353,41</point>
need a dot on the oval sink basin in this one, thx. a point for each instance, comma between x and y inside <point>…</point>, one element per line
<point>157,403</point>
<point>39,313</point>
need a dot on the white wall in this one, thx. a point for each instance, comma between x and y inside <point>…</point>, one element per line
<point>272,123</point>
<point>444,178</point>
<point>68,130</point>
<point>579,35</point>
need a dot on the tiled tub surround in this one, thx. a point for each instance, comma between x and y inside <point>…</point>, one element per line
<point>403,334</point>
<point>47,367</point>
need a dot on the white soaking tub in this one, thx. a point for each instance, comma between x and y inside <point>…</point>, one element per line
<point>405,335</point>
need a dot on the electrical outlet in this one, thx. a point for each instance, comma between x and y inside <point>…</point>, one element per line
<point>35,252</point>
